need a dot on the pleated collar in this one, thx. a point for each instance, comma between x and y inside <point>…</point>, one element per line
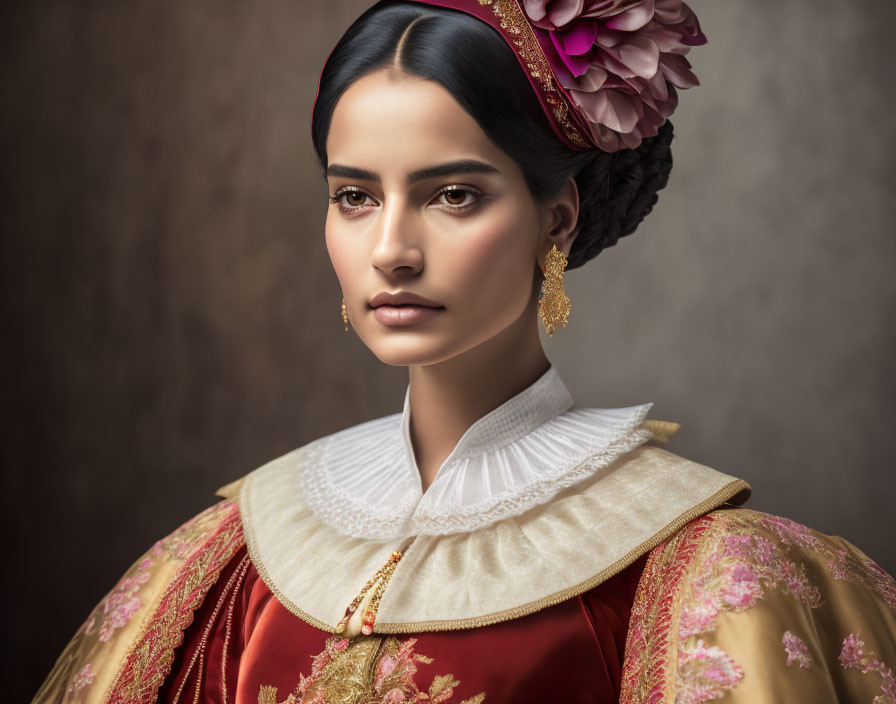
<point>364,481</point>
<point>509,568</point>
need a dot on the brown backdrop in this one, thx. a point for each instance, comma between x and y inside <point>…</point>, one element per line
<point>171,320</point>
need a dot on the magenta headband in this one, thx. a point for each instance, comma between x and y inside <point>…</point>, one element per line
<point>605,71</point>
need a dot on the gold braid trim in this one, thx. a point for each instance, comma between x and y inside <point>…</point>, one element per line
<point>647,664</point>
<point>514,22</point>
<point>150,657</point>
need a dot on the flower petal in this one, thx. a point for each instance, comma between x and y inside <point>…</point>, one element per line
<point>639,56</point>
<point>621,61</point>
<point>535,9</point>
<point>579,38</point>
<point>576,64</point>
<point>593,79</point>
<point>561,12</point>
<point>612,108</point>
<point>608,8</point>
<point>634,18</point>
<point>668,11</point>
<point>677,69</point>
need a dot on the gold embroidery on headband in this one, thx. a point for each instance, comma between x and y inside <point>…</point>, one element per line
<point>514,22</point>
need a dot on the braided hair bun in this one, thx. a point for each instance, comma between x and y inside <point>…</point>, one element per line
<point>617,191</point>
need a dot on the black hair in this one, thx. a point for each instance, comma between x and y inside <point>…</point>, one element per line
<point>475,64</point>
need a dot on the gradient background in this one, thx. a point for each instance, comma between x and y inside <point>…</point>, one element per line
<point>171,319</point>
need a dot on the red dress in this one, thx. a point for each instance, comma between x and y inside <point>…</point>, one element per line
<point>245,647</point>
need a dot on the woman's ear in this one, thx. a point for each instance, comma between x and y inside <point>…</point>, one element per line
<point>561,221</point>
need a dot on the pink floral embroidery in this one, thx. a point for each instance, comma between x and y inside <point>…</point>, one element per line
<point>705,672</point>
<point>121,604</point>
<point>853,655</point>
<point>845,565</point>
<point>82,678</point>
<point>739,558</point>
<point>796,650</point>
<point>394,678</point>
<point>842,563</point>
<point>215,532</point>
<point>790,532</point>
<point>734,578</point>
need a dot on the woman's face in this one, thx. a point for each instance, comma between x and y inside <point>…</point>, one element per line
<point>423,202</point>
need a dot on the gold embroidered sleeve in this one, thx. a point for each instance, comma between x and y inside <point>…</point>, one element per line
<point>748,607</point>
<point>91,666</point>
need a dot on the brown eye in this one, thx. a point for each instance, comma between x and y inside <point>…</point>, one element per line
<point>459,197</point>
<point>455,196</point>
<point>350,199</point>
<point>354,197</point>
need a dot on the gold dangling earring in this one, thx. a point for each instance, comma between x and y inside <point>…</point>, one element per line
<point>344,314</point>
<point>553,305</point>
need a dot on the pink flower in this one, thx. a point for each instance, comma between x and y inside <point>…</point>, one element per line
<point>394,696</point>
<point>83,678</point>
<point>742,589</point>
<point>620,61</point>
<point>133,583</point>
<point>764,549</point>
<point>797,650</point>
<point>386,666</point>
<point>852,653</point>
<point>551,14</point>
<point>738,545</point>
<point>706,671</point>
<point>119,616</point>
<point>791,532</point>
<point>698,613</point>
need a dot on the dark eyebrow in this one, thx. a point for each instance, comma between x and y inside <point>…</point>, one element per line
<point>464,166</point>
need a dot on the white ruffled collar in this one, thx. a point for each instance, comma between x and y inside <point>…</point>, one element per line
<point>364,482</point>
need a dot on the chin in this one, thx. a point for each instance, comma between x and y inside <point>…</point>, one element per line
<point>405,349</point>
<point>407,352</point>
<point>413,346</point>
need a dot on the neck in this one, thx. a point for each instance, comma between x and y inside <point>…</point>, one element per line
<point>446,398</point>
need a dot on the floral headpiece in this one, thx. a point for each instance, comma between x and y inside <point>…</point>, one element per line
<point>605,71</point>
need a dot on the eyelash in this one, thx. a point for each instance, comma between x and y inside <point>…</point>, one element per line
<point>337,198</point>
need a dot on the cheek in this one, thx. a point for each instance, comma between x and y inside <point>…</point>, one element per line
<point>497,258</point>
<point>341,253</point>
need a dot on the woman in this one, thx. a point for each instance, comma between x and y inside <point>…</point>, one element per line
<point>491,542</point>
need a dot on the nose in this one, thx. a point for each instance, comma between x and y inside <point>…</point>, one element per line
<point>397,247</point>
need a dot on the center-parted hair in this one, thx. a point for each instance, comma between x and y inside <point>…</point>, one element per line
<point>473,63</point>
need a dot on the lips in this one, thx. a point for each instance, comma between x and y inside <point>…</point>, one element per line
<point>402,298</point>
<point>403,308</point>
<point>405,316</point>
